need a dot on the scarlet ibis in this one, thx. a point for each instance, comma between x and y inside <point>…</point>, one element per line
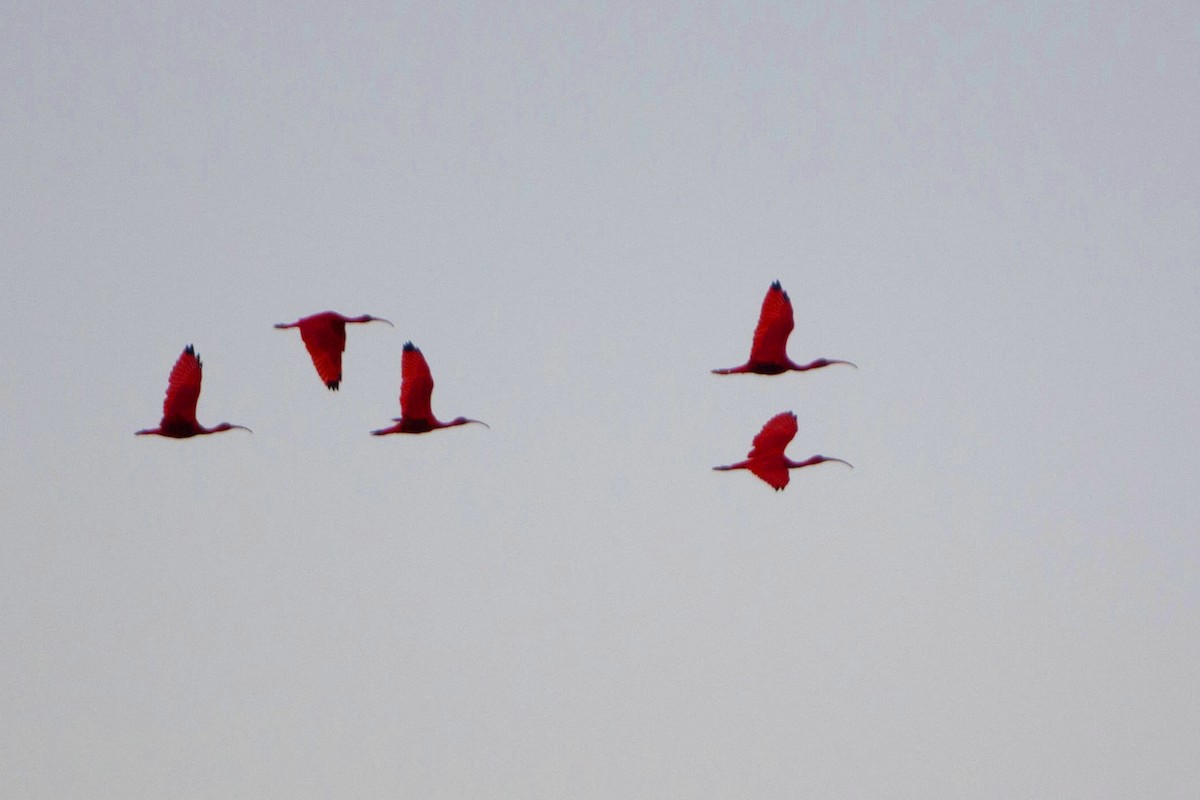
<point>324,335</point>
<point>766,458</point>
<point>768,354</point>
<point>416,387</point>
<point>179,407</point>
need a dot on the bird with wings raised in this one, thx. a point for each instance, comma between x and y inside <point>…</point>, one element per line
<point>179,406</point>
<point>768,353</point>
<point>416,391</point>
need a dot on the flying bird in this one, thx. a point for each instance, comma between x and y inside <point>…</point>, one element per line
<point>768,354</point>
<point>179,407</point>
<point>416,387</point>
<point>324,335</point>
<point>766,458</point>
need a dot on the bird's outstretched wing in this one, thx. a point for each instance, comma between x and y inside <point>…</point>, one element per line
<point>775,323</point>
<point>773,472</point>
<point>325,340</point>
<point>183,388</point>
<point>416,385</point>
<point>773,439</point>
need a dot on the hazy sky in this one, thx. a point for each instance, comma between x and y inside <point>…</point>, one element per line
<point>575,211</point>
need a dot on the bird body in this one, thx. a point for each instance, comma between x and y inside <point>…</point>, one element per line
<point>768,353</point>
<point>179,406</point>
<point>324,335</point>
<point>766,458</point>
<point>416,390</point>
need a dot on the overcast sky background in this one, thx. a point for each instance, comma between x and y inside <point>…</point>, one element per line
<point>575,212</point>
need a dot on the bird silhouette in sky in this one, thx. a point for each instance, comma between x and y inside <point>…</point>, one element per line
<point>768,353</point>
<point>179,407</point>
<point>766,458</point>
<point>416,389</point>
<point>324,335</point>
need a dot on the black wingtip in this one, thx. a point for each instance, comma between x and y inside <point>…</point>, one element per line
<point>332,385</point>
<point>409,347</point>
<point>777,285</point>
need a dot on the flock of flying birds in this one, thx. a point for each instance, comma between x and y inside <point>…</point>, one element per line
<point>324,336</point>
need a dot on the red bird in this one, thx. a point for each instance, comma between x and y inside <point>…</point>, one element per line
<point>768,354</point>
<point>324,335</point>
<point>416,387</point>
<point>179,407</point>
<point>766,458</point>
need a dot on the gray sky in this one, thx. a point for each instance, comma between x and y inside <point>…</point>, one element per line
<point>575,213</point>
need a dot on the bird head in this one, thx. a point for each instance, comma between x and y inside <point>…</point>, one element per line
<point>369,318</point>
<point>227,426</point>
<point>464,421</point>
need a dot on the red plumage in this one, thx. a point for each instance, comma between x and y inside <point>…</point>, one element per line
<point>179,405</point>
<point>768,353</point>
<point>416,392</point>
<point>766,458</point>
<point>324,335</point>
